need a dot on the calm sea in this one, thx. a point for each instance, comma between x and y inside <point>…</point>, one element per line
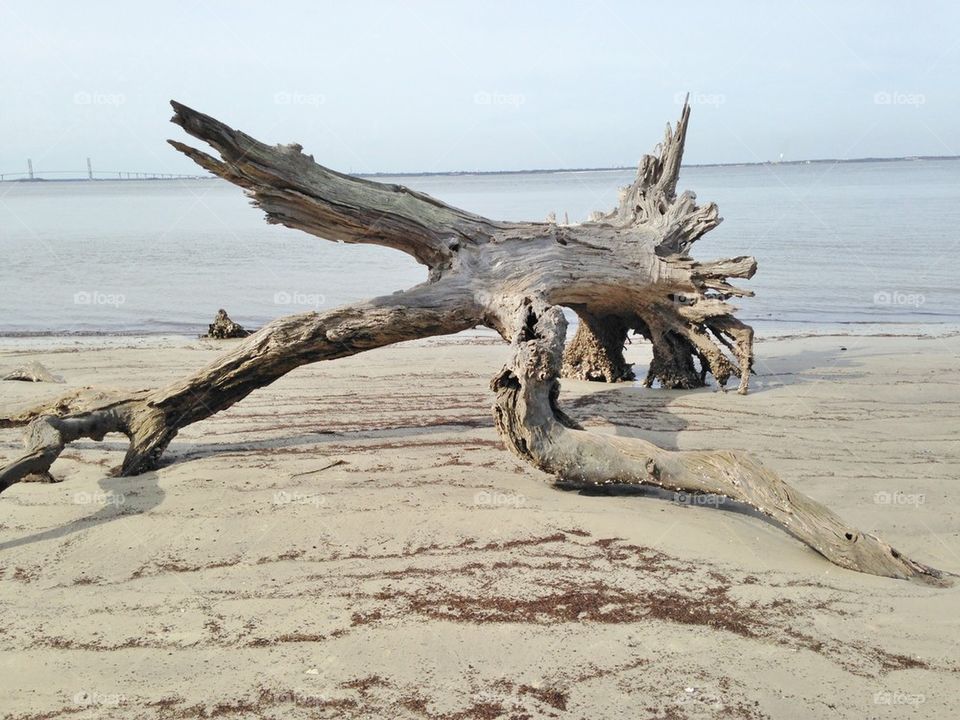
<point>861,247</point>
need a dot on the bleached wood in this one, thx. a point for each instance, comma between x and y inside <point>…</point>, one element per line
<point>629,269</point>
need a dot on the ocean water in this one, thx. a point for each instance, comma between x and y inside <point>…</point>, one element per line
<point>854,247</point>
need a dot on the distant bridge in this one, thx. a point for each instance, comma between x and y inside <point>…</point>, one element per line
<point>91,174</point>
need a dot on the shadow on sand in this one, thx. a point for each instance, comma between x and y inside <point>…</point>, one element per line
<point>140,494</point>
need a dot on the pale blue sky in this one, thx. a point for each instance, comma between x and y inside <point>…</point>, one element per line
<point>388,86</point>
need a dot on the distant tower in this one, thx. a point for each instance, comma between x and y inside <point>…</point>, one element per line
<point>89,170</point>
<point>30,168</point>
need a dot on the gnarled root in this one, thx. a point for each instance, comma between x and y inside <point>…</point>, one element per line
<point>695,332</point>
<point>527,417</point>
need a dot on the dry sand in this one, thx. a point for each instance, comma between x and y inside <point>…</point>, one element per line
<point>427,573</point>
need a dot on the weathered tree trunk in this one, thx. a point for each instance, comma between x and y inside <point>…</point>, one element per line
<point>626,270</point>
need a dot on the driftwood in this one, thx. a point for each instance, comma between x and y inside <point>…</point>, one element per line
<point>223,328</point>
<point>629,269</point>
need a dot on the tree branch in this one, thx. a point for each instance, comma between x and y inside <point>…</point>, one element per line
<point>295,191</point>
<point>532,425</point>
<point>151,419</point>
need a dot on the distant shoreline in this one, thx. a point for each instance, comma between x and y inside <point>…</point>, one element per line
<point>538,171</point>
<point>548,171</point>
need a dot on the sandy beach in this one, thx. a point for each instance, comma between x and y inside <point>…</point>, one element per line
<point>354,541</point>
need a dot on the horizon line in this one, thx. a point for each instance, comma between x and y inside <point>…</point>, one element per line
<point>812,161</point>
<point>533,171</point>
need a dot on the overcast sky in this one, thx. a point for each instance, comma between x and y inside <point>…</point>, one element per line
<point>429,86</point>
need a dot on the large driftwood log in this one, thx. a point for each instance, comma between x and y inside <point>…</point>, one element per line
<point>626,270</point>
